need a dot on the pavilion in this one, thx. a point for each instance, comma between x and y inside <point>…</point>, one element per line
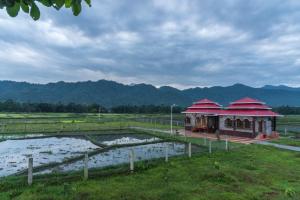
<point>246,117</point>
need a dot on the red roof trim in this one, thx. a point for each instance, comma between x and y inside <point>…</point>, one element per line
<point>247,100</point>
<point>247,108</point>
<point>237,108</point>
<point>206,101</point>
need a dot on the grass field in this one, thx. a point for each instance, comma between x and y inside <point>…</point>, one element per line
<point>18,123</point>
<point>250,172</point>
<point>287,141</point>
<point>246,172</point>
<point>56,122</point>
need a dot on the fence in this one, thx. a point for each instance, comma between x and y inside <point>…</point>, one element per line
<point>289,130</point>
<point>133,158</point>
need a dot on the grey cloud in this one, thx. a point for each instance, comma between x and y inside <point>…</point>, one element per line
<point>171,42</point>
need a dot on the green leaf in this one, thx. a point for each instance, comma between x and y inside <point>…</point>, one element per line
<point>76,8</point>
<point>2,4</point>
<point>24,7</point>
<point>59,3</point>
<point>88,2</point>
<point>13,10</point>
<point>9,3</point>
<point>68,3</point>
<point>35,12</point>
<point>47,3</point>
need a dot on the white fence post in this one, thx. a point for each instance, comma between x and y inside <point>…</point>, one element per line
<point>285,131</point>
<point>226,144</point>
<point>190,150</point>
<point>209,146</point>
<point>131,158</point>
<point>167,153</point>
<point>30,166</point>
<point>86,167</point>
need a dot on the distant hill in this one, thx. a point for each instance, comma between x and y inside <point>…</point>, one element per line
<point>281,87</point>
<point>110,93</point>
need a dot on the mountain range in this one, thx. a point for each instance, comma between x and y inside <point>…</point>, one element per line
<point>110,93</point>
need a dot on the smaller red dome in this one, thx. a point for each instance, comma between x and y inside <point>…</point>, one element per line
<point>204,106</point>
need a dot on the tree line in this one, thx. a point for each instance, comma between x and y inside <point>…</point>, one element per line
<point>287,110</point>
<point>13,106</point>
<point>151,109</point>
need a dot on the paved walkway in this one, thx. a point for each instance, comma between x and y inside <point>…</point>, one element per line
<point>280,146</point>
<point>150,129</point>
<point>242,140</point>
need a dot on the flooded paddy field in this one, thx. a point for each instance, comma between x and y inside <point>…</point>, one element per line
<point>120,155</point>
<point>120,139</point>
<point>64,153</point>
<point>14,154</point>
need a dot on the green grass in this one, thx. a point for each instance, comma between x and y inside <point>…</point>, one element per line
<point>287,141</point>
<point>55,122</point>
<point>289,119</point>
<point>251,172</point>
<point>19,123</point>
<point>245,172</point>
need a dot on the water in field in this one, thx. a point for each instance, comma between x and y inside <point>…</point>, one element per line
<point>118,139</point>
<point>295,128</point>
<point>14,153</point>
<point>18,136</point>
<point>121,155</point>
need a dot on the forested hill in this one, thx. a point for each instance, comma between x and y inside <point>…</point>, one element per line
<point>109,93</point>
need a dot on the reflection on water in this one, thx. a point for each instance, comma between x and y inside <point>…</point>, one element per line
<point>118,139</point>
<point>17,136</point>
<point>14,153</point>
<point>121,155</point>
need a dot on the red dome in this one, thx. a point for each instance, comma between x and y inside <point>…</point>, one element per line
<point>204,106</point>
<point>247,100</point>
<point>243,107</point>
<point>248,104</point>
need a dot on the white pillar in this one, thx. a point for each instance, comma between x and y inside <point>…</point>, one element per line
<point>226,144</point>
<point>167,153</point>
<point>30,167</point>
<point>285,131</point>
<point>209,146</point>
<point>131,158</point>
<point>86,167</point>
<point>190,150</point>
<point>171,122</point>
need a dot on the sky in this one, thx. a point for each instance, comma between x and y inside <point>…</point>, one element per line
<point>179,43</point>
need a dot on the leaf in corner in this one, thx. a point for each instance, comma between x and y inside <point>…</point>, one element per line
<point>2,4</point>
<point>76,8</point>
<point>88,2</point>
<point>47,3</point>
<point>59,3</point>
<point>24,6</point>
<point>68,3</point>
<point>13,10</point>
<point>35,12</point>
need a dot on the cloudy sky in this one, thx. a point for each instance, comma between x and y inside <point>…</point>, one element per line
<point>181,43</point>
